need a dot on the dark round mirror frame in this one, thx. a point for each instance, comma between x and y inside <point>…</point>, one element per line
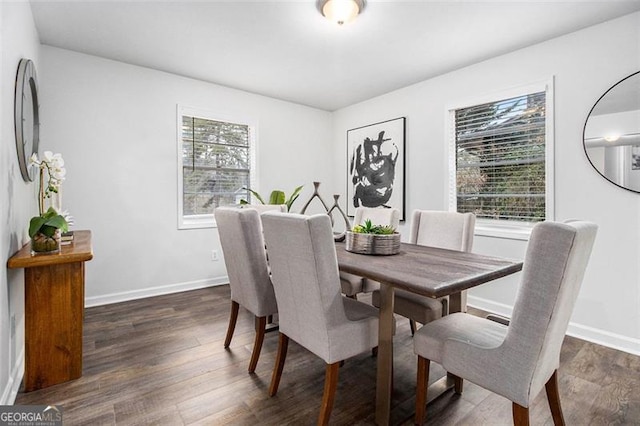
<point>584,133</point>
<point>26,88</point>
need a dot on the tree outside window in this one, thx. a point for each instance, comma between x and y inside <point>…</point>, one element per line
<point>500,159</point>
<point>215,165</point>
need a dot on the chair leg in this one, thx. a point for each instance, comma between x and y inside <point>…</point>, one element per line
<point>330,386</point>
<point>553,396</point>
<point>283,344</point>
<point>421,390</point>
<point>261,326</point>
<point>520,415</point>
<point>412,326</point>
<point>233,317</point>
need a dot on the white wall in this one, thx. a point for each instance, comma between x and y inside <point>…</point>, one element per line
<point>584,65</point>
<point>115,125</point>
<point>18,39</point>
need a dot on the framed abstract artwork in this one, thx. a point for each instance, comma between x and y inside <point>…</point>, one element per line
<point>375,166</point>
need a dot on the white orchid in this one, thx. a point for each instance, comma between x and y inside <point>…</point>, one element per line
<point>54,166</point>
<point>33,160</point>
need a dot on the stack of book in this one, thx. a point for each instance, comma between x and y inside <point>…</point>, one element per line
<point>66,238</point>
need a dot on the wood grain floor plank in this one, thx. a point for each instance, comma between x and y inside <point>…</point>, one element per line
<point>106,418</point>
<point>619,401</point>
<point>239,415</point>
<point>161,361</point>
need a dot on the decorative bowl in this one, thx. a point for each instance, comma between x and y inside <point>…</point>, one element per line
<point>376,244</point>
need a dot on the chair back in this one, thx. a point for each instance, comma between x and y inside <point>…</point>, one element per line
<point>554,265</point>
<point>261,208</point>
<point>242,243</point>
<point>378,216</point>
<point>304,269</point>
<point>447,230</point>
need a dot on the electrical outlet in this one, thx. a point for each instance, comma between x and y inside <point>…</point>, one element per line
<point>13,325</point>
<point>214,255</point>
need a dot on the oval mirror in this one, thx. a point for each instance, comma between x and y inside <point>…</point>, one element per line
<point>612,134</point>
<point>27,117</point>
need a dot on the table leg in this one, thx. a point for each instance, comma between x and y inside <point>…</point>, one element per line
<point>455,305</point>
<point>455,302</point>
<point>384,379</point>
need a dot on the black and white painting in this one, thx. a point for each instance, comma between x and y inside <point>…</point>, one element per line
<point>635,158</point>
<point>375,166</point>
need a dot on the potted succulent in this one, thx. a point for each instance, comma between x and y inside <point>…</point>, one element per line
<point>373,239</point>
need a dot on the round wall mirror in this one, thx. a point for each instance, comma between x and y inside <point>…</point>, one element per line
<point>27,117</point>
<point>612,134</point>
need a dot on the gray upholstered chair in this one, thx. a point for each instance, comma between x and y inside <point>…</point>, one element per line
<point>311,310</point>
<point>354,284</point>
<point>448,230</point>
<point>242,243</point>
<point>515,361</point>
<point>261,208</point>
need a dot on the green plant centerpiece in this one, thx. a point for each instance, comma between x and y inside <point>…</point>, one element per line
<point>369,228</point>
<point>368,238</point>
<point>277,197</point>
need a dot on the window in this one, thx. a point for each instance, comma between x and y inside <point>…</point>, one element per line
<point>502,160</point>
<point>215,158</point>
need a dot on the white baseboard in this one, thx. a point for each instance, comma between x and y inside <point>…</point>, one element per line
<point>590,334</point>
<point>489,306</point>
<point>108,299</point>
<point>13,384</point>
<point>605,338</point>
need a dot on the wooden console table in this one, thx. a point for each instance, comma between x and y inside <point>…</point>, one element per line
<point>54,310</point>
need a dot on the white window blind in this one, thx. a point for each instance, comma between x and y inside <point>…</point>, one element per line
<point>500,158</point>
<point>215,164</point>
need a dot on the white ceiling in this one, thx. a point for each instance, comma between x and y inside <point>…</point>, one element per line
<point>287,50</point>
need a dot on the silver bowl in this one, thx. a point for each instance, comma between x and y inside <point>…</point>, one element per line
<point>377,244</point>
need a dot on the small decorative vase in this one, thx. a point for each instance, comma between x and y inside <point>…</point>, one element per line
<point>337,236</point>
<point>316,194</point>
<point>41,244</point>
<point>378,244</point>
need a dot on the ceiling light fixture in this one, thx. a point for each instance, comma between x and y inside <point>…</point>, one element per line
<point>340,11</point>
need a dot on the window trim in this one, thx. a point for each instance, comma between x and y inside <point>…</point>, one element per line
<point>201,221</point>
<point>501,228</point>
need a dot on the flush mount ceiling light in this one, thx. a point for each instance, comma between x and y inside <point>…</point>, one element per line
<point>340,11</point>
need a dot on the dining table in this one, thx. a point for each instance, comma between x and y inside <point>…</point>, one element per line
<point>428,271</point>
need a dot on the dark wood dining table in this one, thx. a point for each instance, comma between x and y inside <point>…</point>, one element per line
<point>428,271</point>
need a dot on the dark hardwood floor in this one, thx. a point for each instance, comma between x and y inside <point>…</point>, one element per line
<point>161,361</point>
